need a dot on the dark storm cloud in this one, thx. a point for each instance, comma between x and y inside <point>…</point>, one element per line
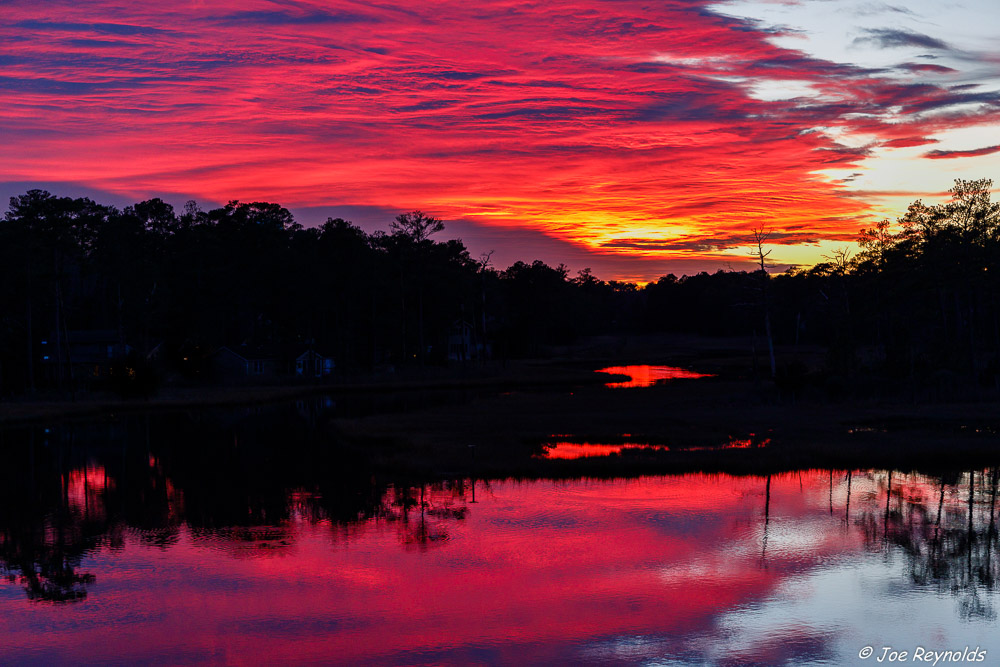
<point>890,38</point>
<point>975,152</point>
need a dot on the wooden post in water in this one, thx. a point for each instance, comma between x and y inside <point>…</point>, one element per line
<point>847,507</point>
<point>993,502</point>
<point>831,492</point>
<point>885,523</point>
<point>767,501</point>
<point>971,535</point>
<point>86,493</point>
<point>31,472</point>
<point>936,545</point>
<point>991,530</point>
<point>767,518</point>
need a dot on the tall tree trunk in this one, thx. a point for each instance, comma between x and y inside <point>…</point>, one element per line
<point>484,357</point>
<point>759,237</point>
<point>372,338</point>
<point>885,522</point>
<point>770,341</point>
<point>420,323</point>
<point>402,318</point>
<point>972,333</point>
<point>831,492</point>
<point>69,350</point>
<point>995,474</point>
<point>31,345</point>
<point>767,519</point>
<point>971,534</point>
<point>59,338</point>
<point>847,507</point>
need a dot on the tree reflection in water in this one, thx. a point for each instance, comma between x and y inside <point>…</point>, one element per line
<point>239,484</point>
<point>946,527</point>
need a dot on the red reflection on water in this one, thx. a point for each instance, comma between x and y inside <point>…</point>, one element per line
<point>85,489</point>
<point>750,442</point>
<point>647,376</point>
<point>581,450</point>
<point>534,571</point>
<point>569,450</point>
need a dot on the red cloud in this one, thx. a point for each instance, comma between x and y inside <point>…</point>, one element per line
<point>587,121</point>
<point>908,142</point>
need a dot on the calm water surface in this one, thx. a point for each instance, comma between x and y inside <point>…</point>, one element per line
<point>560,448</point>
<point>645,375</point>
<point>124,554</point>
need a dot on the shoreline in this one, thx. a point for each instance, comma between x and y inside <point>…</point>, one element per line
<point>501,436</point>
<point>518,375</point>
<point>497,427</point>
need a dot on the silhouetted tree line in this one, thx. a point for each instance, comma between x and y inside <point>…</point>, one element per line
<point>920,297</point>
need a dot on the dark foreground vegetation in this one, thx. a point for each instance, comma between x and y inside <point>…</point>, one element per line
<point>918,303</point>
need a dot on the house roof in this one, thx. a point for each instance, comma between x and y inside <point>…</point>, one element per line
<point>247,353</point>
<point>302,353</point>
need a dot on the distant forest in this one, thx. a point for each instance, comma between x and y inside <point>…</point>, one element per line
<point>919,298</point>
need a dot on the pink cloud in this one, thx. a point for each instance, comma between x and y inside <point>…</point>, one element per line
<point>585,121</point>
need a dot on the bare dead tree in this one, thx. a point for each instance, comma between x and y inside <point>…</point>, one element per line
<point>484,264</point>
<point>760,236</point>
<point>841,265</point>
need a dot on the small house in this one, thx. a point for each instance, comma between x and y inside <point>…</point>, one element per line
<point>244,363</point>
<point>89,352</point>
<point>311,363</point>
<point>463,344</point>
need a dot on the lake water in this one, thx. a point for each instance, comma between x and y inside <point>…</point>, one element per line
<point>559,448</point>
<point>646,375</point>
<point>116,548</point>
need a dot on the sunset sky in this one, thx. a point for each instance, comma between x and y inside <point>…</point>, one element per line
<point>635,138</point>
